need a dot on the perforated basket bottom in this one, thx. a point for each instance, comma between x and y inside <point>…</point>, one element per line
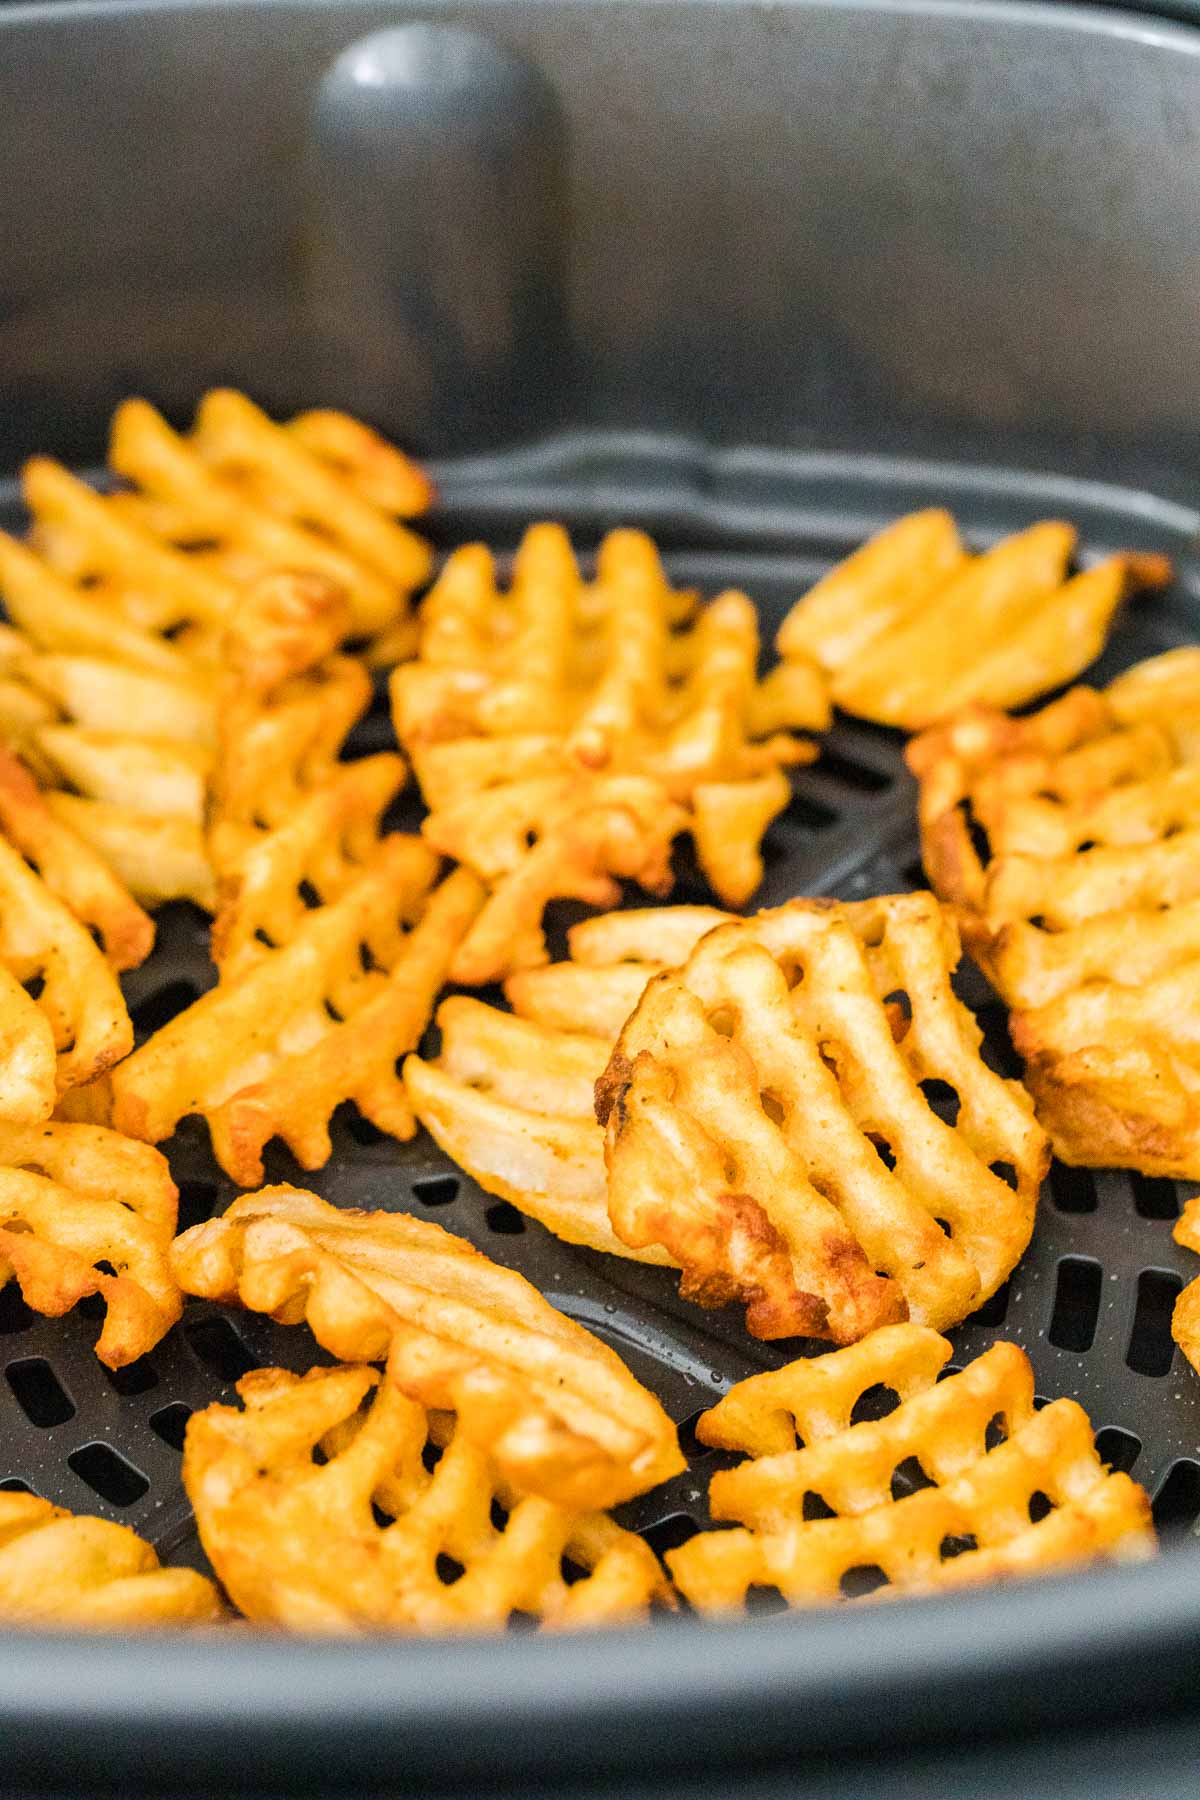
<point>1090,1302</point>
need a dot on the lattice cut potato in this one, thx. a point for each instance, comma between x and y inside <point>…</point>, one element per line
<point>321,1020</point>
<point>65,1569</point>
<point>558,1411</point>
<point>52,966</point>
<point>1068,843</point>
<point>912,626</point>
<point>371,1538</point>
<point>1185,1318</point>
<point>774,1113</point>
<point>199,516</point>
<point>84,1211</point>
<point>964,1481</point>
<point>510,1095</point>
<point>564,733</point>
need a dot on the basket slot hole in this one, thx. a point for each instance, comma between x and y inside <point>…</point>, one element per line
<point>219,1348</point>
<point>1176,1506</point>
<point>1072,1190</point>
<point>861,1580</point>
<point>1118,1448</point>
<point>39,1393</point>
<point>504,1219</point>
<point>362,1130</point>
<point>1076,1303</point>
<point>13,1484</point>
<point>197,1202</point>
<point>436,1190</point>
<point>913,873</point>
<point>14,1314</point>
<point>108,1474</point>
<point>670,1533</point>
<point>993,1312</point>
<point>689,1443</point>
<point>874,1403</point>
<point>1151,1347</point>
<point>808,813</point>
<point>170,1423</point>
<point>163,1005</point>
<point>862,777</point>
<point>997,1049</point>
<point>1154,1197</point>
<point>135,1378</point>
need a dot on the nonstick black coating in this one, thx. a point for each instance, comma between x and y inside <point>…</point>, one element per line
<point>1090,1301</point>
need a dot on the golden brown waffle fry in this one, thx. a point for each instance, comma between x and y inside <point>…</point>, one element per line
<point>301,1543</point>
<point>510,1095</point>
<point>75,1202</point>
<point>923,1498</point>
<point>44,946</point>
<point>212,512</point>
<point>28,1065</point>
<point>291,826</point>
<point>911,627</point>
<point>156,859</point>
<point>305,1027</point>
<point>1163,691</point>
<point>558,1411</point>
<point>1185,1318</point>
<point>565,733</point>
<point>1068,843</point>
<point>71,868</point>
<point>61,1568</point>
<point>286,706</point>
<point>770,1122</point>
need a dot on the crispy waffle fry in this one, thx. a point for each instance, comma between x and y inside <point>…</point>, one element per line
<point>557,1410</point>
<point>61,1568</point>
<point>300,1543</point>
<point>911,627</point>
<point>920,1499</point>
<point>1069,845</point>
<point>210,513</point>
<point>770,1122</point>
<point>320,1021</point>
<point>71,869</point>
<point>78,1201</point>
<point>156,859</point>
<point>44,946</point>
<point>510,1095</point>
<point>1185,1319</point>
<point>290,825</point>
<point>565,733</point>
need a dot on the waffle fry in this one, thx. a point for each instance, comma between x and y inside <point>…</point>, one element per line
<point>78,1201</point>
<point>918,1500</point>
<point>45,947</point>
<point>290,825</point>
<point>770,1123</point>
<point>208,514</point>
<point>557,1411</point>
<point>156,859</point>
<point>911,627</point>
<point>319,1021</point>
<point>61,1568</point>
<point>510,1095</point>
<point>1069,845</point>
<point>564,734</point>
<point>71,869</point>
<point>299,1543</point>
<point>1185,1318</point>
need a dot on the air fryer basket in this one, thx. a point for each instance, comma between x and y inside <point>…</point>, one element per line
<point>923,249</point>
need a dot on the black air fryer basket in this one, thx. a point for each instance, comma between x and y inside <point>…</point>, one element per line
<point>758,277</point>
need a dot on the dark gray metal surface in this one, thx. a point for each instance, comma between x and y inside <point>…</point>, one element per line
<point>917,222</point>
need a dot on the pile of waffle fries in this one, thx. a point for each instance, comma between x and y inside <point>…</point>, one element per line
<point>788,1112</point>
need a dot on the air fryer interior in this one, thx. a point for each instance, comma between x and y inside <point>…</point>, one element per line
<point>920,250</point>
